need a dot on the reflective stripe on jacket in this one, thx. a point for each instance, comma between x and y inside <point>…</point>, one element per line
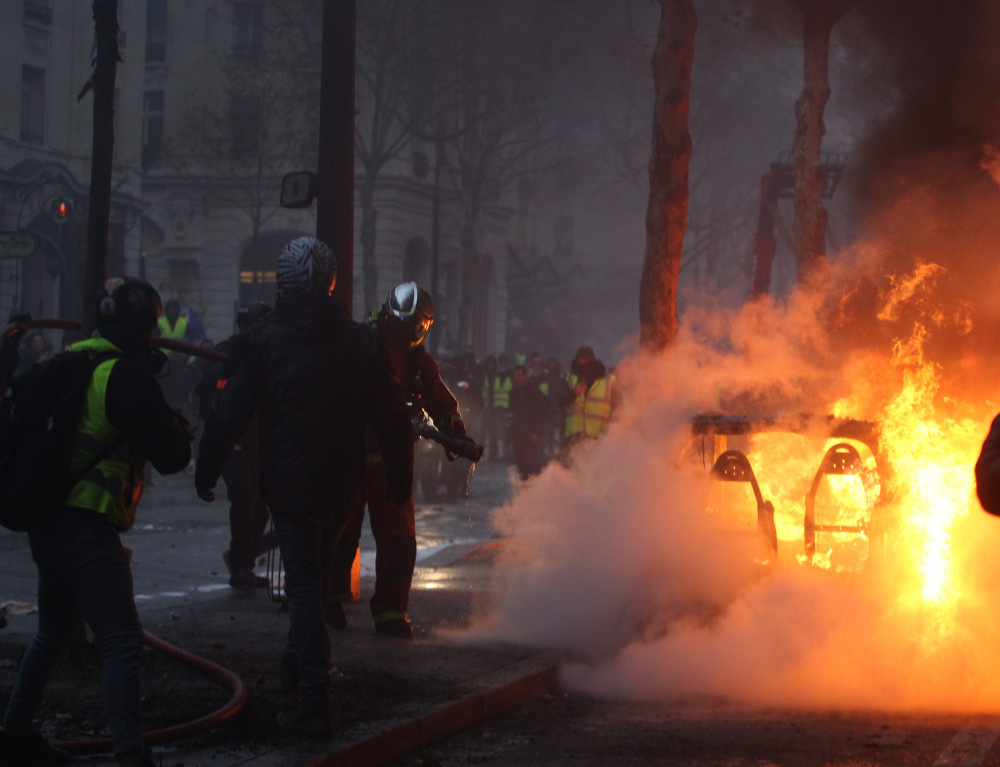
<point>591,413</point>
<point>114,486</point>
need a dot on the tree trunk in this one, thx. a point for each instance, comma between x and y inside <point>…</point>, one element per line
<point>666,214</point>
<point>818,18</point>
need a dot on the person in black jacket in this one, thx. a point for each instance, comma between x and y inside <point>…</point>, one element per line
<point>248,513</point>
<point>83,570</point>
<point>315,379</point>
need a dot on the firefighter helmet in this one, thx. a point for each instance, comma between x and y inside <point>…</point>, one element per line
<point>406,316</point>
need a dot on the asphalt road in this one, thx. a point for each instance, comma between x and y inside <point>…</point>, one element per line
<point>177,562</point>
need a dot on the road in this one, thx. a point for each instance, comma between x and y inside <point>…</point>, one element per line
<point>177,549</point>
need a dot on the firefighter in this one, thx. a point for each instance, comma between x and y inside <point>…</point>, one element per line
<point>400,326</point>
<point>315,379</point>
<point>592,400</point>
<point>83,570</point>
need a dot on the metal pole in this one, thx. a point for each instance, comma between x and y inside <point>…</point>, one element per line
<point>96,264</point>
<point>335,179</point>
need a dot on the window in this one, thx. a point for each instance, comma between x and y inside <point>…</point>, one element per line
<point>156,31</point>
<point>244,119</point>
<point>32,104</point>
<point>246,28</point>
<point>152,127</point>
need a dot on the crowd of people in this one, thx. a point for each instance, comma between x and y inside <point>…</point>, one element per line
<point>532,411</point>
<point>309,420</point>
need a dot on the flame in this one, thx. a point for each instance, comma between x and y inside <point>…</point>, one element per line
<point>910,497</point>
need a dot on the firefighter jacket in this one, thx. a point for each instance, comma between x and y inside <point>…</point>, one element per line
<point>496,390</point>
<point>590,413</point>
<point>315,379</point>
<point>124,407</point>
<point>416,371</point>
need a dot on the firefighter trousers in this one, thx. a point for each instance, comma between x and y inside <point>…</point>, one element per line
<point>394,528</point>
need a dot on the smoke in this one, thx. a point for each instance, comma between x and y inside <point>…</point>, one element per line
<point>616,559</point>
<point>620,557</point>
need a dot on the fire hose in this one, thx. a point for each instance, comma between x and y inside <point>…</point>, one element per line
<point>166,343</point>
<point>185,729</point>
<point>462,447</point>
<point>227,677</point>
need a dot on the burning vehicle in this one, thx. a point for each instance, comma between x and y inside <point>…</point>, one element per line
<point>802,487</point>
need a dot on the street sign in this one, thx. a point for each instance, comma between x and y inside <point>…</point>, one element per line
<point>18,244</point>
<point>298,189</point>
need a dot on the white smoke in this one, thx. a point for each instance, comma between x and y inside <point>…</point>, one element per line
<point>614,558</point>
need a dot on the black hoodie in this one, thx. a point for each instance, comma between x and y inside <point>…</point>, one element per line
<point>315,379</point>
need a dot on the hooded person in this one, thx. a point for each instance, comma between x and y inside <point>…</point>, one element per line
<point>83,570</point>
<point>315,380</point>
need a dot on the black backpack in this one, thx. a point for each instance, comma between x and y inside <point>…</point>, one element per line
<point>38,419</point>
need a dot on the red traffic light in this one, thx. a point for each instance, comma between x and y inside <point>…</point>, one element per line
<point>61,209</point>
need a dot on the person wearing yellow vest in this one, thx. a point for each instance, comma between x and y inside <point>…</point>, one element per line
<point>592,400</point>
<point>83,570</point>
<point>496,401</point>
<point>175,327</point>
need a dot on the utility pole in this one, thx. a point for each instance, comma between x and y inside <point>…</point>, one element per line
<point>96,264</point>
<point>335,179</point>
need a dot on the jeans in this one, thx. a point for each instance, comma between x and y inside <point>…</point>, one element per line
<point>83,573</point>
<point>302,541</point>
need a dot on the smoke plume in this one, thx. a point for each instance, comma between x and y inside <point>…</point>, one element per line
<point>617,558</point>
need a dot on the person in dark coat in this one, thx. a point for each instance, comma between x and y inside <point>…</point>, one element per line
<point>248,513</point>
<point>315,379</point>
<point>527,415</point>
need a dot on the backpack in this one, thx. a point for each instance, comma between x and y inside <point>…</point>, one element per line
<point>38,417</point>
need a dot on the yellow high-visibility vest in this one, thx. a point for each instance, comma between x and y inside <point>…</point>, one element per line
<point>590,413</point>
<point>177,332</point>
<point>499,394</point>
<point>113,487</point>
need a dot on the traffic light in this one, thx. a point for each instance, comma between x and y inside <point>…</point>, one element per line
<point>61,209</point>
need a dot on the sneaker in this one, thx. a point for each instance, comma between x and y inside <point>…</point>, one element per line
<point>336,618</point>
<point>306,721</point>
<point>398,628</point>
<point>26,747</point>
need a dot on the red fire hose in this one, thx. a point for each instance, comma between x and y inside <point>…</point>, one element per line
<point>239,697</point>
<point>186,729</point>
<point>166,343</point>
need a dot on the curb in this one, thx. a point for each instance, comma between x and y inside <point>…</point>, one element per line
<point>415,734</point>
